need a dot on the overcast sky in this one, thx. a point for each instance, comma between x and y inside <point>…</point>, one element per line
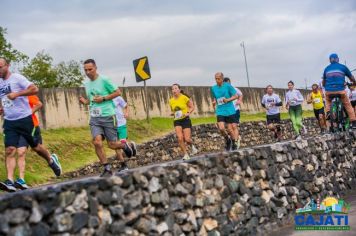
<point>187,41</point>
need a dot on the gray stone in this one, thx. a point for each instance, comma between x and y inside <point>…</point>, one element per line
<point>180,190</point>
<point>36,215</point>
<point>281,212</point>
<point>162,227</point>
<point>62,223</point>
<point>81,201</point>
<point>117,210</point>
<point>140,179</point>
<point>105,197</point>
<point>4,224</point>
<point>164,195</point>
<point>40,229</point>
<point>20,230</point>
<point>104,216</point>
<point>17,216</point>
<point>117,227</point>
<point>93,221</point>
<point>154,185</point>
<point>180,217</point>
<point>66,198</point>
<point>176,203</point>
<point>135,199</point>
<point>177,230</point>
<point>93,206</point>
<point>80,220</point>
<point>143,225</point>
<point>256,201</point>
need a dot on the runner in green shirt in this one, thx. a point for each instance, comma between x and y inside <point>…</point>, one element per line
<point>100,91</point>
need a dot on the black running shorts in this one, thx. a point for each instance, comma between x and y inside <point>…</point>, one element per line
<point>14,129</point>
<point>227,119</point>
<point>185,123</point>
<point>317,112</point>
<point>276,118</point>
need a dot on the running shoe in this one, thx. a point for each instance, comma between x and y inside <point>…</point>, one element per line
<point>134,148</point>
<point>299,137</point>
<point>305,131</point>
<point>234,146</point>
<point>107,171</point>
<point>186,157</point>
<point>238,142</point>
<point>128,150</point>
<point>123,167</point>
<point>7,186</point>
<point>21,184</point>
<point>194,150</point>
<point>353,125</point>
<point>228,144</point>
<point>56,165</point>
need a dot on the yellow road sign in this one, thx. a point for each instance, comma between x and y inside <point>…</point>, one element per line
<point>142,69</point>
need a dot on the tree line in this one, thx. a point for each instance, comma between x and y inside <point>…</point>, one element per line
<point>40,69</point>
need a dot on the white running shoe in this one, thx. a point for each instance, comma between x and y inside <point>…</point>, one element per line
<point>194,150</point>
<point>305,131</point>
<point>186,157</point>
<point>238,142</point>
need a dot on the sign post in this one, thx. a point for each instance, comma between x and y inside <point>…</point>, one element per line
<point>142,73</point>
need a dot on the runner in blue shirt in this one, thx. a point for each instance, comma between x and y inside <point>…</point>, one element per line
<point>223,94</point>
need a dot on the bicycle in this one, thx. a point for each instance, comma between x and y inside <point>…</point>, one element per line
<point>339,120</point>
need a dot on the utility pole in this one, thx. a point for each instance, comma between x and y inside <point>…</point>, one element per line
<point>243,47</point>
<point>306,84</point>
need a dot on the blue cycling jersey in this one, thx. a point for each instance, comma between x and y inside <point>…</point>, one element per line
<point>334,76</point>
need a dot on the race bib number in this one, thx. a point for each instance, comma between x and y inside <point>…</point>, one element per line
<point>95,112</point>
<point>178,114</point>
<point>7,103</point>
<point>221,101</point>
<point>292,103</point>
<point>353,96</point>
<point>316,100</point>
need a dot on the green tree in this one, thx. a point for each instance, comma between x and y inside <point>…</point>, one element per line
<point>40,71</point>
<point>69,74</point>
<point>7,51</point>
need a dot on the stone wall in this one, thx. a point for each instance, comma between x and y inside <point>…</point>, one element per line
<point>62,108</point>
<point>247,192</point>
<point>206,138</point>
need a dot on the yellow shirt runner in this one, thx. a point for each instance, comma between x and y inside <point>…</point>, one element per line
<point>317,100</point>
<point>179,106</point>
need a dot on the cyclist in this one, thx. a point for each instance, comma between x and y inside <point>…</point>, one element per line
<point>316,98</point>
<point>271,102</point>
<point>294,100</point>
<point>181,107</point>
<point>334,83</point>
<point>235,126</point>
<point>223,94</point>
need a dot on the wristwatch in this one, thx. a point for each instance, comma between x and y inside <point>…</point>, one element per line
<point>104,99</point>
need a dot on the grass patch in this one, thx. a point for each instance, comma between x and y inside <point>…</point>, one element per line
<point>73,145</point>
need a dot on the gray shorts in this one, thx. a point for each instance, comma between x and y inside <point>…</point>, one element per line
<point>105,126</point>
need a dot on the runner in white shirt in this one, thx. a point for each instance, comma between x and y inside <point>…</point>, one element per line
<point>294,100</point>
<point>352,97</point>
<point>235,126</point>
<point>122,113</point>
<point>14,89</point>
<point>271,102</point>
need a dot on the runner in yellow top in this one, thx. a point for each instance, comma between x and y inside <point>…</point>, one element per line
<point>316,98</point>
<point>182,107</point>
